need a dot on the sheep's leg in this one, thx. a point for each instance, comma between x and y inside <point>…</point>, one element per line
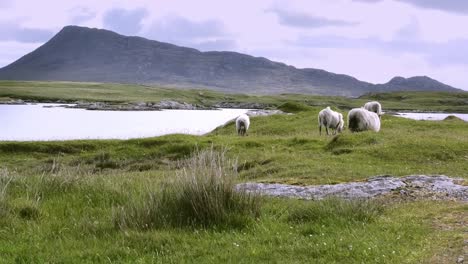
<point>326,128</point>
<point>320,129</point>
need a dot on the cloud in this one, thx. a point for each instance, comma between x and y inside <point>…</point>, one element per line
<point>304,20</point>
<point>127,22</point>
<point>367,1</point>
<point>5,3</point>
<point>204,35</point>
<point>405,41</point>
<point>12,32</point>
<point>81,14</point>
<point>455,6</point>
<point>410,31</point>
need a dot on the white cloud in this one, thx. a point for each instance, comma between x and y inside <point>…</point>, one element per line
<point>204,35</point>
<point>124,21</point>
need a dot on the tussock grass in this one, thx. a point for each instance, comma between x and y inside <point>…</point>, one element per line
<point>202,194</point>
<point>335,210</point>
<point>5,180</point>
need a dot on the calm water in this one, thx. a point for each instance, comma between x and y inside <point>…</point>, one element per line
<point>35,122</point>
<point>432,116</point>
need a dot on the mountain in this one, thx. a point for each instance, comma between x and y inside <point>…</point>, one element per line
<point>423,82</point>
<point>97,55</point>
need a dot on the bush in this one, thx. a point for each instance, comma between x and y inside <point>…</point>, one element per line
<point>202,194</point>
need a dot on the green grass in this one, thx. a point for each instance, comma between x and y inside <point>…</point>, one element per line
<point>272,152</point>
<point>202,194</point>
<point>127,201</point>
<point>74,223</point>
<point>123,93</point>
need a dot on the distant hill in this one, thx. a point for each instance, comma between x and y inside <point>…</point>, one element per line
<point>97,55</point>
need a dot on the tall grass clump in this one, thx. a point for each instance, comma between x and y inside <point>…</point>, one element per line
<point>202,194</point>
<point>336,211</point>
<point>5,180</point>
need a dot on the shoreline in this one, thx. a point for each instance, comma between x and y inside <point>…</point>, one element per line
<point>138,106</point>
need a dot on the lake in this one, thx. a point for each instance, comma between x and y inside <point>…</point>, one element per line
<point>432,116</point>
<point>38,123</point>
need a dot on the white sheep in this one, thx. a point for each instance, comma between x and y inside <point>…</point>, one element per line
<point>242,124</point>
<point>360,119</point>
<point>374,106</point>
<point>330,119</point>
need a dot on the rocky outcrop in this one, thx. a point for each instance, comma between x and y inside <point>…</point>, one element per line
<point>13,102</point>
<point>415,186</point>
<point>138,106</point>
<point>261,112</point>
<point>241,105</point>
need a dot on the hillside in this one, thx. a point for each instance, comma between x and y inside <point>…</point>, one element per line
<point>97,55</point>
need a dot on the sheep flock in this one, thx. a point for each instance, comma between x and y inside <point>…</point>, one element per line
<point>360,119</point>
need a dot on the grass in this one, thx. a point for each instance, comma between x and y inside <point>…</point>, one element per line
<point>333,211</point>
<point>169,199</point>
<point>124,93</point>
<point>75,224</point>
<point>202,194</point>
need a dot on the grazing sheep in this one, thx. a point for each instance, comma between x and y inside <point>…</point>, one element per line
<point>242,124</point>
<point>330,119</point>
<point>360,119</point>
<point>374,106</point>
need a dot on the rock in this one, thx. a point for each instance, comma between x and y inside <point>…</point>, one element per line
<point>175,105</point>
<point>261,112</point>
<point>14,102</point>
<point>240,105</point>
<point>416,186</point>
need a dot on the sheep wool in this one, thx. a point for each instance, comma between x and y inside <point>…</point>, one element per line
<point>330,119</point>
<point>360,119</point>
<point>242,124</point>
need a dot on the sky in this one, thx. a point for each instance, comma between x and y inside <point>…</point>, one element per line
<point>372,40</point>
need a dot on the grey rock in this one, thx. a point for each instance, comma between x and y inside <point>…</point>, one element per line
<point>14,102</point>
<point>240,105</point>
<point>261,112</point>
<point>175,105</point>
<point>433,187</point>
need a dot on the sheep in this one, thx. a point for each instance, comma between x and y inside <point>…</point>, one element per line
<point>330,119</point>
<point>242,124</point>
<point>374,106</point>
<point>360,119</point>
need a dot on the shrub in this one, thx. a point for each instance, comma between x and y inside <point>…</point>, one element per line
<point>202,194</point>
